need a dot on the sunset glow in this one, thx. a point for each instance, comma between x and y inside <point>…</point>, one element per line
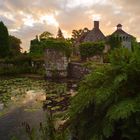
<point>33,17</point>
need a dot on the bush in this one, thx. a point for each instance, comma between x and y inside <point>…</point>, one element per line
<point>90,49</point>
<point>107,106</point>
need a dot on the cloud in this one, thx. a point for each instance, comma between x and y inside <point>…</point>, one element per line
<point>27,18</point>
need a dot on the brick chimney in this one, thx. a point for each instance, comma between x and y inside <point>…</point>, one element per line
<point>96,24</point>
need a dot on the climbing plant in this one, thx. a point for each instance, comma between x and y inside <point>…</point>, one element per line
<point>90,49</point>
<point>114,41</point>
<point>58,45</point>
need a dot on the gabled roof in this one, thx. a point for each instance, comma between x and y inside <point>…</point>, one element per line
<point>82,37</point>
<point>121,32</point>
<point>94,35</point>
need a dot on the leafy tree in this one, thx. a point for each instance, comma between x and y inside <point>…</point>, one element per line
<point>4,40</point>
<point>15,48</point>
<point>107,106</point>
<point>77,33</point>
<point>36,49</point>
<point>45,35</point>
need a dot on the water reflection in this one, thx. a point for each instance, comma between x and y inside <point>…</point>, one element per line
<point>27,108</point>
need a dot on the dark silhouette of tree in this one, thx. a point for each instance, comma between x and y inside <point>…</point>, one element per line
<point>45,35</point>
<point>15,48</point>
<point>78,33</point>
<point>4,40</point>
<point>59,34</point>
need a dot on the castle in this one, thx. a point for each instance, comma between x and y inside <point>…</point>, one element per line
<point>96,35</point>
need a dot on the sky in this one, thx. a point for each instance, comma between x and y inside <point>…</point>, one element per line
<point>27,18</point>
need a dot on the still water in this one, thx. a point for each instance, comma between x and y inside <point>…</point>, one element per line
<point>25,108</point>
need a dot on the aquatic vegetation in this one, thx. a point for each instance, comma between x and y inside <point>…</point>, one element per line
<point>57,97</point>
<point>11,89</point>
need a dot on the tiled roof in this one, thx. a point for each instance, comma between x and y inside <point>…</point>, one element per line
<point>94,35</point>
<point>121,32</point>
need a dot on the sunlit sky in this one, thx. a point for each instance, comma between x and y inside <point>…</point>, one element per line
<point>27,18</point>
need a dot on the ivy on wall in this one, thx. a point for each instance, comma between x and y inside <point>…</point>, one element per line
<point>90,49</point>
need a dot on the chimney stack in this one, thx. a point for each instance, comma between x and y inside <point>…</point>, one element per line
<point>119,27</point>
<point>96,24</point>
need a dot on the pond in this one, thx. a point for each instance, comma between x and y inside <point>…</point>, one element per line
<point>21,100</point>
<point>24,100</point>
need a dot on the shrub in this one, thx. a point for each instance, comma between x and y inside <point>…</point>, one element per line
<point>107,106</point>
<point>90,49</point>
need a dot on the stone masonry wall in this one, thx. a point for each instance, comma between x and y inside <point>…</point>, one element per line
<point>77,70</point>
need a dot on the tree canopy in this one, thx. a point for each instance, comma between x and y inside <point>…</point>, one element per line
<point>14,45</point>
<point>4,40</point>
<point>45,35</point>
<point>77,33</point>
<point>60,34</point>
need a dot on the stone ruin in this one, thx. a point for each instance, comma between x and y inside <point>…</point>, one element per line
<point>56,63</point>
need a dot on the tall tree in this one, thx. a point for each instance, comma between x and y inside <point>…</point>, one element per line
<point>59,34</point>
<point>14,45</point>
<point>4,40</point>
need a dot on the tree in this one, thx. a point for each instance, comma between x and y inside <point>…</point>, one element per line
<point>36,49</point>
<point>107,106</point>
<point>59,34</point>
<point>15,48</point>
<point>77,33</point>
<point>45,35</point>
<point>4,40</point>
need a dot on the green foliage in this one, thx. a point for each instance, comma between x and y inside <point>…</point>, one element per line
<point>37,48</point>
<point>16,87</point>
<point>114,42</point>
<point>76,34</point>
<point>4,40</point>
<point>107,105</point>
<point>120,56</point>
<point>58,45</point>
<point>90,49</point>
<point>36,51</point>
<point>45,35</point>
<point>9,45</point>
<point>46,131</point>
<point>14,45</point>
